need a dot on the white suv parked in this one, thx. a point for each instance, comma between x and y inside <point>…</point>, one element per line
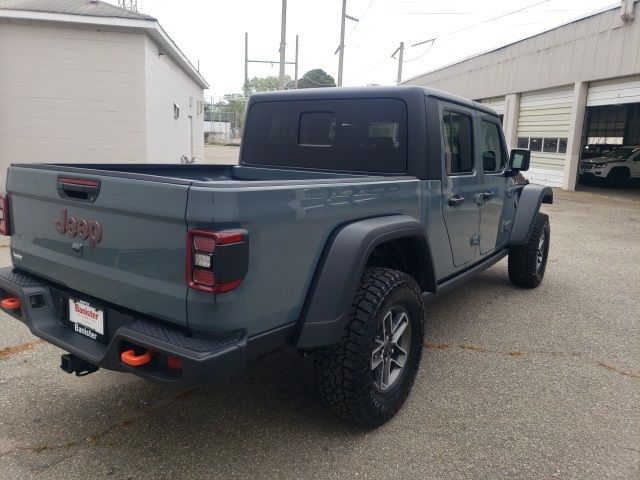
<point>617,167</point>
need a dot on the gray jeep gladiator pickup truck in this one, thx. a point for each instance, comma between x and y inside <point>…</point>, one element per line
<point>349,209</point>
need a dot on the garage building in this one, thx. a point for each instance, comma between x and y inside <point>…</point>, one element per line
<point>569,92</point>
<point>86,81</point>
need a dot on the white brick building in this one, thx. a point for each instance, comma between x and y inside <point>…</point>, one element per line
<point>85,81</point>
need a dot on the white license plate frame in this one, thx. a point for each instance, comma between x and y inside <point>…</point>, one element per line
<point>87,319</point>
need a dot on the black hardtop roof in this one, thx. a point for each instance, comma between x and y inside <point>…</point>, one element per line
<point>402,92</point>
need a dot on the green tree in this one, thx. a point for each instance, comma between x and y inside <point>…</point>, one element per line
<point>316,78</point>
<point>233,102</point>
<point>268,83</point>
<point>228,109</point>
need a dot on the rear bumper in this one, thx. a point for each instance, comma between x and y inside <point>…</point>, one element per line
<point>206,359</point>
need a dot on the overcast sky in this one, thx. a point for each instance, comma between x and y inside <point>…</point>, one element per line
<point>212,31</point>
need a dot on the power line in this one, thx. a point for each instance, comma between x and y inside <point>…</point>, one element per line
<point>375,67</point>
<point>498,17</point>
<point>433,41</point>
<point>487,12</point>
<point>424,41</point>
<point>392,57</point>
<point>363,14</point>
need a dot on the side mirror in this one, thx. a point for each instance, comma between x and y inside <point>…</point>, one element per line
<point>519,160</point>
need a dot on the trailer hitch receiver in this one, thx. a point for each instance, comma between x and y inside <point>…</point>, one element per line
<point>73,364</point>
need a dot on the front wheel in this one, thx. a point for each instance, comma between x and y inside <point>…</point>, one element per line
<point>368,375</point>
<point>528,263</point>
<point>619,177</point>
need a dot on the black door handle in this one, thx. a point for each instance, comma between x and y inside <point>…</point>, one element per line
<point>81,189</point>
<point>456,200</point>
<point>488,195</point>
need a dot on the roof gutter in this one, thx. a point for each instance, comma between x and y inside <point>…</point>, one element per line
<point>151,27</point>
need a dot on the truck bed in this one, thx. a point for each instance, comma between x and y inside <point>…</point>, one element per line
<point>188,174</point>
<point>146,211</point>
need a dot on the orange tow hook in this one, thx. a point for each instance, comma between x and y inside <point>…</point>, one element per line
<point>11,303</point>
<point>130,358</point>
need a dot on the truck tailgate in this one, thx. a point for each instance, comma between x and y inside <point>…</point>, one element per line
<point>126,247</point>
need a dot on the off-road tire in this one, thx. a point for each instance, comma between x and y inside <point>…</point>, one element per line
<point>524,268</point>
<point>619,177</point>
<point>344,372</point>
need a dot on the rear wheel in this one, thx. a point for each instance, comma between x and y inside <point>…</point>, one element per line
<point>368,375</point>
<point>619,177</point>
<point>528,263</point>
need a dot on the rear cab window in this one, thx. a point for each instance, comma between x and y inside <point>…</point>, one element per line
<point>363,135</point>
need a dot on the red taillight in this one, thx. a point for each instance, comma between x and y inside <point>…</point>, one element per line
<point>204,244</point>
<point>79,182</point>
<point>4,215</point>
<point>216,261</point>
<point>203,277</point>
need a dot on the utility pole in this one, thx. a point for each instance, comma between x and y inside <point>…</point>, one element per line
<point>400,52</point>
<point>341,46</point>
<point>246,64</point>
<point>283,42</point>
<point>295,81</point>
<point>247,61</point>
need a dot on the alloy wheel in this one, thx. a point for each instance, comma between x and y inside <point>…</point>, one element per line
<point>540,252</point>
<point>391,349</point>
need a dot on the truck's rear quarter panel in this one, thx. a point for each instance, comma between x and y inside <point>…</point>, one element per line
<point>288,225</point>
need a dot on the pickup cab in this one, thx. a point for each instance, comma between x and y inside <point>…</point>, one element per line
<point>349,209</point>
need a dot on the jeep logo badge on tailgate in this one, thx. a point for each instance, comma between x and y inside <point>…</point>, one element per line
<point>79,226</point>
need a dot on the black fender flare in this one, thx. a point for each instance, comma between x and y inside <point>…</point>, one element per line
<point>339,272</point>
<point>530,199</point>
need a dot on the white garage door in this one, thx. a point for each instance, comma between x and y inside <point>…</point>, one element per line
<point>543,127</point>
<point>614,92</point>
<point>497,103</point>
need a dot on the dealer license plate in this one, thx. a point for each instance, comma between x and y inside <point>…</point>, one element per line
<point>87,320</point>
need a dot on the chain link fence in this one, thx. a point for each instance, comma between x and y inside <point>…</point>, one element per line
<point>223,119</point>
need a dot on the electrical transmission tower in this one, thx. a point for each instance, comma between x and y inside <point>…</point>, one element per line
<point>129,5</point>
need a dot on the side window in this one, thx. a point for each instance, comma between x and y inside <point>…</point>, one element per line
<point>491,147</point>
<point>458,143</point>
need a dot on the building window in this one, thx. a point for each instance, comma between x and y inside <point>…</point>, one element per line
<point>562,145</point>
<point>550,145</point>
<point>606,124</point>
<point>535,144</point>
<point>546,144</point>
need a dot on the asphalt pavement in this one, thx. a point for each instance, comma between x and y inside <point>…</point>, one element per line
<point>523,384</point>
